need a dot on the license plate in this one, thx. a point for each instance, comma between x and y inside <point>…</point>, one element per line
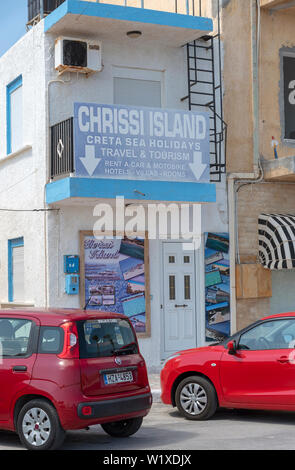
<point>120,377</point>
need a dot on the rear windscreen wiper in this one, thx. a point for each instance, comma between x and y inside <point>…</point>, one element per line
<point>127,347</point>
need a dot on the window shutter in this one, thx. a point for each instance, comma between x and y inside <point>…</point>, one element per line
<point>18,268</point>
<point>134,92</point>
<point>16,119</point>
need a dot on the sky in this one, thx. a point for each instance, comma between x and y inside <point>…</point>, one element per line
<point>13,18</point>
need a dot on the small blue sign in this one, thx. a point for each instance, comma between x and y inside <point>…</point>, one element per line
<point>71,264</point>
<point>141,143</point>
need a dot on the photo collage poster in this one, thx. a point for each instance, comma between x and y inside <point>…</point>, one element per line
<point>115,278</point>
<point>217,284</point>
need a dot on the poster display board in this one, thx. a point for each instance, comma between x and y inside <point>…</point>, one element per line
<point>115,277</point>
<point>217,285</point>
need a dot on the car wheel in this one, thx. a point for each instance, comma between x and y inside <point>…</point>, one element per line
<point>196,398</point>
<point>124,428</point>
<point>38,426</point>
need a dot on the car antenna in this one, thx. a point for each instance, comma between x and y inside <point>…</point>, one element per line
<point>87,303</point>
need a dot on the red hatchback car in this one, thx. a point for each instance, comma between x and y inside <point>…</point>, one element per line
<point>69,369</point>
<point>253,369</point>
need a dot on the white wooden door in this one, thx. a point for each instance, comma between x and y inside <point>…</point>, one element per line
<point>179,298</point>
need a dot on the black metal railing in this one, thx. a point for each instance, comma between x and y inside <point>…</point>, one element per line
<point>62,148</point>
<point>39,8</point>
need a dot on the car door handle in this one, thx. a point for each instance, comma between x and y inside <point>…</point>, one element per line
<point>284,360</point>
<point>19,368</point>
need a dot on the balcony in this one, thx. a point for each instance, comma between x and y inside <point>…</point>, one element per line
<point>68,185</point>
<point>113,21</point>
<point>37,9</point>
<point>281,169</point>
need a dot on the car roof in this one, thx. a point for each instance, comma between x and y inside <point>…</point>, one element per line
<point>55,316</point>
<point>279,315</point>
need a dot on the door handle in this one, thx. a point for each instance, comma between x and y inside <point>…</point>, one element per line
<point>19,368</point>
<point>284,360</point>
<point>180,306</point>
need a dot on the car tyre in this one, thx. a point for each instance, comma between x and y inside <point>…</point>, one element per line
<point>196,398</point>
<point>38,426</point>
<point>124,428</point>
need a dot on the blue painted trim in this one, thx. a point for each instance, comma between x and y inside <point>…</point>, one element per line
<point>11,87</point>
<point>108,189</point>
<point>138,15</point>
<point>12,244</point>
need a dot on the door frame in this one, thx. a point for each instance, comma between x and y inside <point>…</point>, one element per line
<point>199,270</point>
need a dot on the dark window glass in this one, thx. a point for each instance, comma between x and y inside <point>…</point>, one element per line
<point>276,334</point>
<point>106,338</point>
<point>50,340</point>
<point>15,337</point>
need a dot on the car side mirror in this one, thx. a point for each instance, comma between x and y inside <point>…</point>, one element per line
<point>232,347</point>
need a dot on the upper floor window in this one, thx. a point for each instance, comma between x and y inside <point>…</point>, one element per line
<point>136,87</point>
<point>16,268</point>
<point>289,96</point>
<point>14,115</point>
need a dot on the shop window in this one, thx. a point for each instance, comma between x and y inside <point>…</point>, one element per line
<point>16,268</point>
<point>14,107</point>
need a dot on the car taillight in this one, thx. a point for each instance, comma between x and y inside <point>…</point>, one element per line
<point>71,344</point>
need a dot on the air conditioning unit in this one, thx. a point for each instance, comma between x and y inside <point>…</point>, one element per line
<point>76,55</point>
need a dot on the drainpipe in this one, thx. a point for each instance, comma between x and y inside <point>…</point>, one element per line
<point>256,176</point>
<point>41,9</point>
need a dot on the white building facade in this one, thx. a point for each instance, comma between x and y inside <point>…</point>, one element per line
<point>49,207</point>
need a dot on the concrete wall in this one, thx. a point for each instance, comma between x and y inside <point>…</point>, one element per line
<point>236,37</point>
<point>252,201</point>
<point>22,177</point>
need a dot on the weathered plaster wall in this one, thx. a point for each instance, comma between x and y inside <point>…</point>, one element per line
<point>253,200</point>
<point>22,177</point>
<point>236,37</point>
<point>277,33</point>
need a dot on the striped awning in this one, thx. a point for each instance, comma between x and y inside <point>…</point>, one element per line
<point>277,241</point>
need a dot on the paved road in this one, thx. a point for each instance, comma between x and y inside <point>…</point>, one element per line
<point>165,429</point>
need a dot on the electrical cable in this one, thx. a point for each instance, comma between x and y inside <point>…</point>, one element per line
<point>28,210</point>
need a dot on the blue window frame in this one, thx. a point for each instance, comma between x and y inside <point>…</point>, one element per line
<point>12,244</point>
<point>10,113</point>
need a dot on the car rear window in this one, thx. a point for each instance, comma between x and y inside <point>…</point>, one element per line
<point>50,340</point>
<point>106,338</point>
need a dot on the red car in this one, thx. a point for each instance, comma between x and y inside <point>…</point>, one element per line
<point>253,369</point>
<point>69,369</point>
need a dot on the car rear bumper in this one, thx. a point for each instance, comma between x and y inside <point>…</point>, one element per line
<point>117,407</point>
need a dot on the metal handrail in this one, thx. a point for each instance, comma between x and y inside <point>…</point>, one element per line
<point>190,6</point>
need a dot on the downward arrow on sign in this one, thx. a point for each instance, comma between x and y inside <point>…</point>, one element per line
<point>198,167</point>
<point>89,161</point>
